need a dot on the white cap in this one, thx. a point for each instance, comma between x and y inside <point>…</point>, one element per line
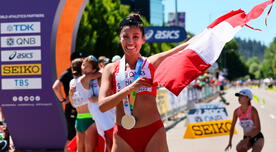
<point>116,58</point>
<point>245,92</point>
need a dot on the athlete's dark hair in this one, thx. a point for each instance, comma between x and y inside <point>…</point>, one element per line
<point>76,67</point>
<point>93,61</point>
<point>133,19</point>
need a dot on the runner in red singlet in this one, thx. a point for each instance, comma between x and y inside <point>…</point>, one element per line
<point>148,133</point>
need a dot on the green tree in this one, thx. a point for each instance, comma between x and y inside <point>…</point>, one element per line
<point>98,30</point>
<point>231,60</point>
<point>254,67</point>
<point>268,67</point>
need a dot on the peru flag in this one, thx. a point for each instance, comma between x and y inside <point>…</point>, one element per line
<point>178,70</point>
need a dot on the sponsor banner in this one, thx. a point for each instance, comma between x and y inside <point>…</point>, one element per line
<point>208,129</point>
<point>165,34</point>
<point>207,112</point>
<point>20,55</point>
<point>209,105</point>
<point>20,27</point>
<point>20,69</point>
<point>34,116</point>
<point>162,99</point>
<point>20,41</point>
<point>21,83</point>
<point>176,21</point>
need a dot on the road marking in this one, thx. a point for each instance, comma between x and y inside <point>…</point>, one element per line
<point>272,116</point>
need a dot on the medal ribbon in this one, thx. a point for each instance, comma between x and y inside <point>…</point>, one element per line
<point>121,78</point>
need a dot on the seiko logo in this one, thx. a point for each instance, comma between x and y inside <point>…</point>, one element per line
<point>20,55</point>
<point>21,69</point>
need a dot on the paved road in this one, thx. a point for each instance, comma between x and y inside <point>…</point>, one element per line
<point>267,113</point>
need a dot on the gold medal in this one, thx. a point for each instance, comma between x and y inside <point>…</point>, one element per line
<point>128,121</point>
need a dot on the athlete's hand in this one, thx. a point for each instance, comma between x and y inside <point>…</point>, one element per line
<point>229,146</point>
<point>140,82</point>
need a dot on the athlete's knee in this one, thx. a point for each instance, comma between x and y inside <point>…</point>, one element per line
<point>241,148</point>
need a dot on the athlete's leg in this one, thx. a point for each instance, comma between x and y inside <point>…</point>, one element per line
<point>119,144</point>
<point>80,141</point>
<point>90,138</point>
<point>158,142</point>
<point>108,139</point>
<point>258,145</point>
<point>243,146</point>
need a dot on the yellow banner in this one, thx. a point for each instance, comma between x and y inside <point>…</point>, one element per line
<point>162,99</point>
<point>21,69</point>
<point>208,129</point>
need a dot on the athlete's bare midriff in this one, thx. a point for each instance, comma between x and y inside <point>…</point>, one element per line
<point>145,111</point>
<point>83,109</point>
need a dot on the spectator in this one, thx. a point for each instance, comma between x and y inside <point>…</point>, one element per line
<point>70,112</point>
<point>103,61</point>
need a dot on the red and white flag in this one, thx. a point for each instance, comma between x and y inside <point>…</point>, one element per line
<point>178,70</point>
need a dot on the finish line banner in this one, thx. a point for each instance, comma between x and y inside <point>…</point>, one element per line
<point>28,69</point>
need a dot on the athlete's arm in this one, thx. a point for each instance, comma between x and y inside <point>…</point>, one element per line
<point>107,101</point>
<point>234,120</point>
<point>57,88</point>
<point>71,91</point>
<point>158,58</point>
<point>93,76</point>
<point>256,120</point>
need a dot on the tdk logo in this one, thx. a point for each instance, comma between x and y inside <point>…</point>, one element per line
<point>20,27</point>
<point>20,41</point>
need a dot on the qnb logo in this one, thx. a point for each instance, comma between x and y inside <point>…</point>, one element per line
<point>24,41</point>
<point>167,34</point>
<point>10,41</point>
<point>18,55</point>
<point>21,41</point>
